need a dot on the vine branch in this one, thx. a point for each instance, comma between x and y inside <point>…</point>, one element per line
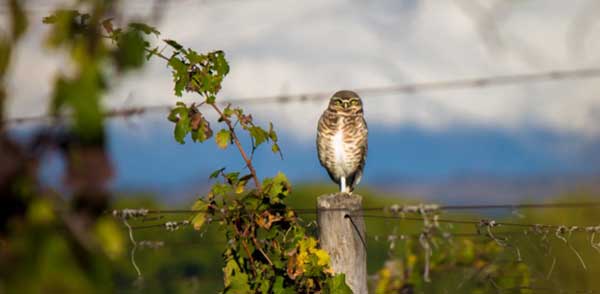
<point>236,140</point>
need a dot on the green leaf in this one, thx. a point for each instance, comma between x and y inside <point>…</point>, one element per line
<point>220,189</point>
<point>264,286</point>
<point>251,202</point>
<point>67,25</point>
<point>19,18</point>
<point>276,188</point>
<point>216,173</point>
<point>174,114</point>
<point>178,65</point>
<point>5,53</point>
<point>275,148</point>
<point>227,112</point>
<point>272,133</point>
<point>221,64</point>
<point>259,135</point>
<point>241,184</point>
<point>173,44</point>
<point>236,282</point>
<point>211,99</point>
<point>199,218</point>
<point>337,285</point>
<point>180,74</point>
<point>81,95</point>
<point>182,127</point>
<point>278,285</point>
<point>232,177</point>
<point>223,138</point>
<point>193,57</point>
<point>130,50</point>
<point>146,29</point>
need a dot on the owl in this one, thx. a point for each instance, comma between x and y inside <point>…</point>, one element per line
<point>342,140</point>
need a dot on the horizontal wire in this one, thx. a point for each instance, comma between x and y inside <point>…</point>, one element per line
<point>485,222</point>
<point>522,206</point>
<point>552,290</point>
<point>410,88</point>
<point>437,207</point>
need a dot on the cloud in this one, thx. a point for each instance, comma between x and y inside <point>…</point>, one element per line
<point>287,47</point>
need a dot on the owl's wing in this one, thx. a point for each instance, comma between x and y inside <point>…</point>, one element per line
<point>324,147</point>
<point>363,147</point>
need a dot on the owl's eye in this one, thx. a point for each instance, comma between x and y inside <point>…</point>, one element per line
<point>338,102</point>
<point>354,102</point>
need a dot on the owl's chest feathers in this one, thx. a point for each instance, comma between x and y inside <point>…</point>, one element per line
<point>339,141</point>
<point>339,149</point>
<point>342,161</point>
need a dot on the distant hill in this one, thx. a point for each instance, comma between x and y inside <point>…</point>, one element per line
<point>493,188</point>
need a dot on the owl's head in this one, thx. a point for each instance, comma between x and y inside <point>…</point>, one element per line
<point>345,102</point>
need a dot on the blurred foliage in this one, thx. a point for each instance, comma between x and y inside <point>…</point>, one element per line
<point>52,243</point>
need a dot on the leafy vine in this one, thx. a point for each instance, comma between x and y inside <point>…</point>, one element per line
<point>268,250</point>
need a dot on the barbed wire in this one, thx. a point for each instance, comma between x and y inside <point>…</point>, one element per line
<point>431,229</point>
<point>546,290</point>
<point>394,209</point>
<point>407,88</point>
<point>562,228</point>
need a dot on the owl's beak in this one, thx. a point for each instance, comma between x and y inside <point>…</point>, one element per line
<point>346,104</point>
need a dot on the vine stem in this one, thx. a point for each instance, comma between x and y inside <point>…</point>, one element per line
<point>261,250</point>
<point>234,136</point>
<point>245,246</point>
<point>236,140</point>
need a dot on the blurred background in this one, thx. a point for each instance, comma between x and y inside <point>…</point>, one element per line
<point>523,139</point>
<point>467,102</point>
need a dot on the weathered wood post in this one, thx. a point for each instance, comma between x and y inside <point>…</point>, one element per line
<point>342,235</point>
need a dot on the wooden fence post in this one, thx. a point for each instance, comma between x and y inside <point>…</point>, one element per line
<point>342,235</point>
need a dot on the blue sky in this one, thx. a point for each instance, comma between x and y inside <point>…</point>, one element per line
<point>147,156</point>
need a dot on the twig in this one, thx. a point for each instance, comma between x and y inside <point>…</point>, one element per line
<point>245,246</point>
<point>137,269</point>
<point>236,140</point>
<point>559,234</point>
<point>423,240</point>
<point>261,250</point>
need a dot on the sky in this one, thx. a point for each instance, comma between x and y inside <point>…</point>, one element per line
<point>292,47</point>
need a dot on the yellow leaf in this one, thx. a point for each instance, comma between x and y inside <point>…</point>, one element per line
<point>308,244</point>
<point>223,138</point>
<point>110,237</point>
<point>40,212</point>
<point>200,216</point>
<point>322,257</point>
<point>239,188</point>
<point>412,260</point>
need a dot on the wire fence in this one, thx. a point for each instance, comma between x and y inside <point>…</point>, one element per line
<point>408,88</point>
<point>395,208</point>
<point>427,214</point>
